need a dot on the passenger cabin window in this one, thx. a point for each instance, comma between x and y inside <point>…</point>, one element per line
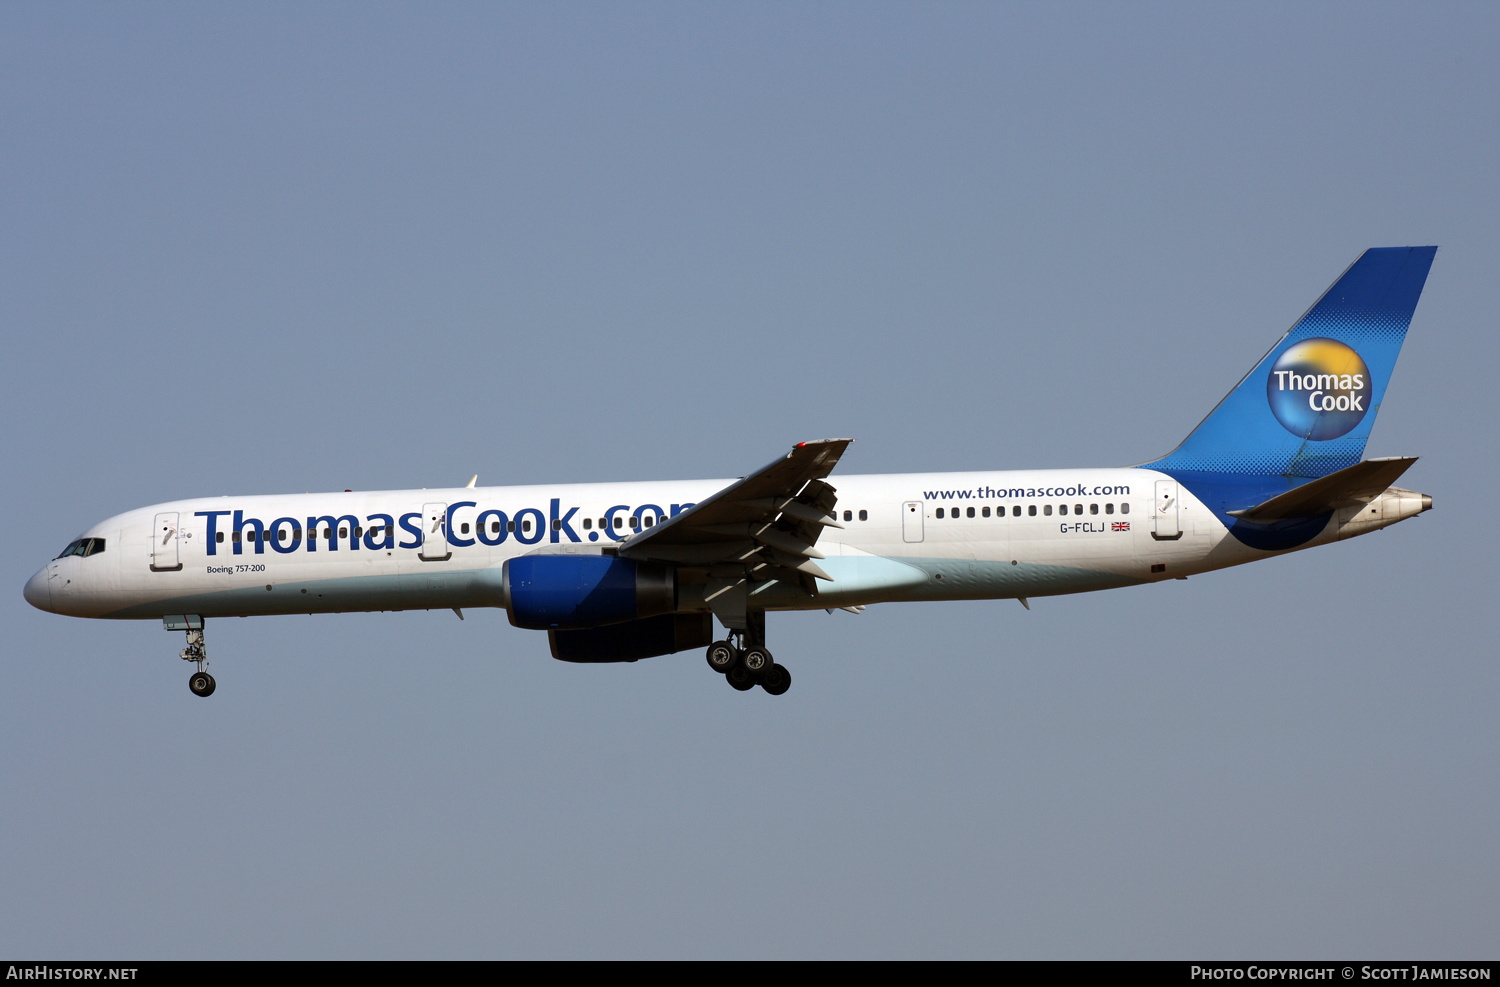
<point>1093,508</point>
<point>848,515</point>
<point>864,515</point>
<point>970,512</point>
<point>985,512</point>
<point>1124,508</point>
<point>219,537</point>
<point>1030,510</point>
<point>1109,508</point>
<point>588,523</point>
<point>1016,511</point>
<point>1077,508</point>
<point>1061,510</point>
<point>939,512</point>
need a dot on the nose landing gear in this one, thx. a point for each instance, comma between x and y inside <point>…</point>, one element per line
<point>200,682</point>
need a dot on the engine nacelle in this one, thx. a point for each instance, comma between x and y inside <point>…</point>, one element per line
<point>635,639</point>
<point>546,592</point>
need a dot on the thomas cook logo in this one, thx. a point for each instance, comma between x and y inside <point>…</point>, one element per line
<point>1319,389</point>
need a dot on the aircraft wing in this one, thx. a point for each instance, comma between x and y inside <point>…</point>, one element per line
<point>764,524</point>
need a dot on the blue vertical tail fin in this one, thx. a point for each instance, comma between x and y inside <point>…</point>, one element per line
<point>1306,409</point>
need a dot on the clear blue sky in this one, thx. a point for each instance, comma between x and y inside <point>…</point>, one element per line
<point>299,247</point>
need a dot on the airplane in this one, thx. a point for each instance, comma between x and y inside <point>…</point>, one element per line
<point>624,571</point>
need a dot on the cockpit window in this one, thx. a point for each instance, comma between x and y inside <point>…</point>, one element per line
<point>83,546</point>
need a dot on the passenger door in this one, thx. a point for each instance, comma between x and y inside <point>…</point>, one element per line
<point>1167,528</point>
<point>434,533</point>
<point>164,539</point>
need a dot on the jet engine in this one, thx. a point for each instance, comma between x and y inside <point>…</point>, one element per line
<point>549,592</point>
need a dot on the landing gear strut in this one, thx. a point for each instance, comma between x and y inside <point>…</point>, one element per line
<point>745,663</point>
<point>200,682</point>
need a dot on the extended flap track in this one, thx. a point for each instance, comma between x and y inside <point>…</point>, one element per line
<point>784,548</point>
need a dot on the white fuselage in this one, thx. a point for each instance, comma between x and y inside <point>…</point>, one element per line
<point>920,536</point>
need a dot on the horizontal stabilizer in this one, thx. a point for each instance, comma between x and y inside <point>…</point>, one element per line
<point>1353,485</point>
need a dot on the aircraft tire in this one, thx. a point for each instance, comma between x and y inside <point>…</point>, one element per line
<point>202,684</point>
<point>740,679</point>
<point>777,680</point>
<point>722,656</point>
<point>758,660</point>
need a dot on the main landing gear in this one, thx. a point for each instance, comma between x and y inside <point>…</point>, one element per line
<point>746,667</point>
<point>200,682</point>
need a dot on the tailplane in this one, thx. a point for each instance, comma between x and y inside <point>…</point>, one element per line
<point>1306,409</point>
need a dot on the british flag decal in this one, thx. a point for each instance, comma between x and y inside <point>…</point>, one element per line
<point>1120,526</point>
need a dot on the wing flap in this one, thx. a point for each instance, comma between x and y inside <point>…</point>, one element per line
<point>768,520</point>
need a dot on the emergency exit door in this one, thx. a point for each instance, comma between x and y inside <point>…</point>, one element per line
<point>912,513</point>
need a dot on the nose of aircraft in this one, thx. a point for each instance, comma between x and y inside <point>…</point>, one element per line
<point>38,593</point>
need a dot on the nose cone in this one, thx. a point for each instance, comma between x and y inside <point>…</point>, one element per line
<point>38,593</point>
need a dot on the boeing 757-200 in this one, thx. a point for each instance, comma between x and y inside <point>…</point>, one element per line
<point>624,571</point>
